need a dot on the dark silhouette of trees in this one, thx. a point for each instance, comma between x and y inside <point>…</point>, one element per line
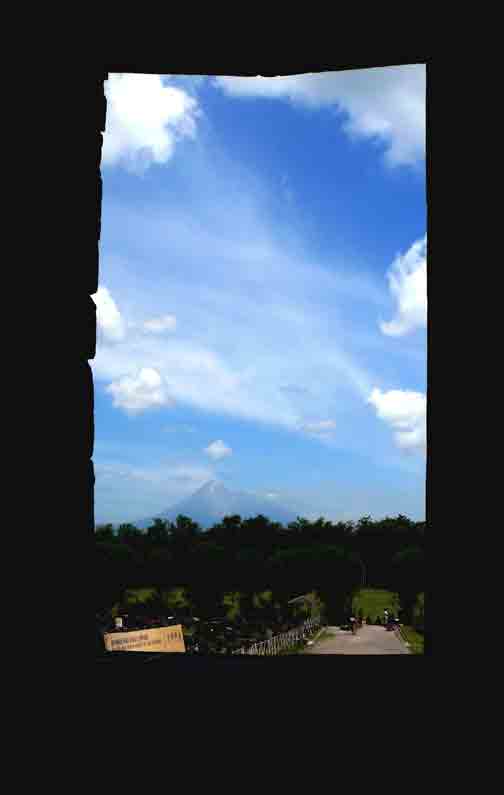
<point>257,556</point>
<point>158,533</point>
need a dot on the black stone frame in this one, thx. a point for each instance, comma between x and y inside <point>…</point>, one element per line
<point>84,321</point>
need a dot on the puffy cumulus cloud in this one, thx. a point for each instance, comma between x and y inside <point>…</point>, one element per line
<point>218,450</point>
<point>138,393</point>
<point>109,322</point>
<point>144,120</point>
<point>385,104</point>
<point>406,413</point>
<point>408,284</point>
<point>159,324</point>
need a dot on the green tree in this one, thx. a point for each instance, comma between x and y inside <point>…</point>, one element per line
<point>263,606</point>
<point>159,532</point>
<point>140,596</point>
<point>177,600</point>
<point>300,527</point>
<point>227,530</point>
<point>418,613</point>
<point>315,605</point>
<point>184,536</point>
<point>104,533</point>
<point>128,532</point>
<point>185,527</point>
<point>262,599</point>
<point>231,603</point>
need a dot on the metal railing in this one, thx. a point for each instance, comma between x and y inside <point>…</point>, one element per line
<point>282,642</point>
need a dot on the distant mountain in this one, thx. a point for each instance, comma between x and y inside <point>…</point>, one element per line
<point>213,501</point>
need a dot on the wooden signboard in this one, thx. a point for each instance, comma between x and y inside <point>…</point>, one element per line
<point>162,639</point>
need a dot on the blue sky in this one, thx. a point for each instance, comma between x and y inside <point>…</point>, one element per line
<point>262,302</point>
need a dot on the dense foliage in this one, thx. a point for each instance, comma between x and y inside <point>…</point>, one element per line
<point>254,566</point>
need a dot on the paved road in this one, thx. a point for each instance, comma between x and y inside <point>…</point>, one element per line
<point>368,640</point>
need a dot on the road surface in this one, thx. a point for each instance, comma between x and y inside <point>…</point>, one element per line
<point>367,640</point>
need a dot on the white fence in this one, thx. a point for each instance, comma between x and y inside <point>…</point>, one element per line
<point>284,641</point>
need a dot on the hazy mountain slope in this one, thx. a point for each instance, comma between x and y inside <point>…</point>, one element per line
<point>213,501</point>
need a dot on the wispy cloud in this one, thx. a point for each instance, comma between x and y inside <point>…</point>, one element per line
<point>215,302</point>
<point>157,325</point>
<point>150,490</point>
<point>265,331</point>
<point>321,429</point>
<point>233,350</point>
<point>181,428</point>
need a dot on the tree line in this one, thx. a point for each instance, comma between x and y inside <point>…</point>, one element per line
<point>237,558</point>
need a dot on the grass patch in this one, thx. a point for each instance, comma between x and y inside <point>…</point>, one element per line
<point>373,602</point>
<point>415,640</point>
<point>297,649</point>
<point>325,635</point>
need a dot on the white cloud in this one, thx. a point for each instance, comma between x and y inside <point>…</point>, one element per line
<point>408,284</point>
<point>385,104</point>
<point>406,413</point>
<point>144,120</point>
<point>193,375</point>
<point>323,429</point>
<point>109,322</point>
<point>218,450</point>
<point>179,429</point>
<point>159,324</point>
<point>240,325</point>
<point>143,391</point>
<point>323,425</point>
<point>270,333</point>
